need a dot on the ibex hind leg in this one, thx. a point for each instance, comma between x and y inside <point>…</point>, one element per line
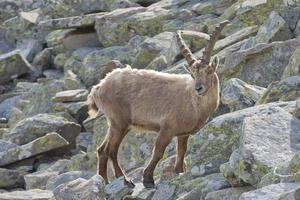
<point>181,150</point>
<point>117,135</point>
<point>102,154</point>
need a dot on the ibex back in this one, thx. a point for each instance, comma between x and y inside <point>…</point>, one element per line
<point>172,105</point>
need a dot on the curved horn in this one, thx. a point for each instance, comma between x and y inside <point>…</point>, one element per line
<point>185,51</point>
<point>212,41</point>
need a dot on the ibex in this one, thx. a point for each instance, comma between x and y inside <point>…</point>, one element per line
<point>169,104</point>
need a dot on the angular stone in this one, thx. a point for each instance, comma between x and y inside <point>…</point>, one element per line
<point>61,166</point>
<point>71,95</point>
<point>164,191</point>
<point>27,195</point>
<point>117,189</point>
<point>4,145</point>
<point>297,110</point>
<point>7,105</point>
<point>267,140</point>
<point>285,90</point>
<point>41,145</point>
<point>141,193</point>
<point>38,180</point>
<point>78,110</point>
<point>237,94</point>
<point>228,193</point>
<point>92,189</point>
<point>11,178</point>
<point>259,65</point>
<point>215,142</point>
<point>84,140</point>
<point>12,65</point>
<point>79,39</point>
<point>293,67</point>
<point>280,191</point>
<point>53,182</point>
<point>42,60</point>
<point>29,48</point>
<point>37,126</point>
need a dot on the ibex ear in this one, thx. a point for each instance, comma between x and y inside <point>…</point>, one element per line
<point>215,63</point>
<point>186,68</point>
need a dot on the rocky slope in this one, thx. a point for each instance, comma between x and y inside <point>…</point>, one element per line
<point>53,51</point>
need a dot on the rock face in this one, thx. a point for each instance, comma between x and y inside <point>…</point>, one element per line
<point>12,65</point>
<point>27,195</point>
<point>43,144</point>
<point>11,178</point>
<point>285,90</point>
<point>237,94</point>
<point>92,189</point>
<point>267,141</point>
<point>41,124</point>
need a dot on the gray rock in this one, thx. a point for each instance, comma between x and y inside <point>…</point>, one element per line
<point>164,191</point>
<point>214,143</point>
<point>4,145</point>
<point>290,15</point>
<point>84,140</point>
<point>297,110</point>
<point>117,189</point>
<point>78,110</point>
<point>237,94</point>
<point>38,180</point>
<point>11,178</point>
<point>267,140</point>
<point>141,193</point>
<point>61,166</point>
<point>293,67</point>
<point>285,90</point>
<point>53,182</point>
<point>280,191</point>
<point>37,126</point>
<point>92,189</point>
<point>259,65</point>
<point>79,39</point>
<point>49,142</point>
<point>29,48</point>
<point>228,193</point>
<point>42,60</point>
<point>12,65</point>
<point>6,106</point>
<point>71,95</point>
<point>27,195</point>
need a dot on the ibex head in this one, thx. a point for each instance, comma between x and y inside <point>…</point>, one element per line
<point>202,69</point>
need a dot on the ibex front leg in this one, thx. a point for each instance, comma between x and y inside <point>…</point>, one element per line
<point>181,150</point>
<point>161,143</point>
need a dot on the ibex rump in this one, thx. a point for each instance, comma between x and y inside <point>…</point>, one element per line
<point>172,105</point>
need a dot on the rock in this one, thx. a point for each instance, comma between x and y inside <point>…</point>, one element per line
<point>279,191</point>
<point>13,65</point>
<point>27,195</point>
<point>116,190</point>
<point>285,90</point>
<point>237,94</point>
<point>164,191</point>
<point>4,145</point>
<point>228,194</point>
<point>70,22</point>
<point>259,65</point>
<point>161,44</point>
<point>7,105</point>
<point>71,95</point>
<point>84,140</point>
<point>60,60</point>
<point>43,60</point>
<point>78,110</point>
<point>54,182</point>
<point>215,142</point>
<point>267,140</point>
<point>79,39</point>
<point>81,189</point>
<point>72,81</point>
<point>117,27</point>
<point>11,178</point>
<point>6,46</point>
<point>29,48</point>
<point>198,188</point>
<point>38,180</point>
<point>291,15</point>
<point>293,67</point>
<point>61,166</point>
<point>49,142</point>
<point>41,124</point>
<point>141,193</point>
<point>297,110</point>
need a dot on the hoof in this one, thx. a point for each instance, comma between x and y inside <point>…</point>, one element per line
<point>129,183</point>
<point>149,184</point>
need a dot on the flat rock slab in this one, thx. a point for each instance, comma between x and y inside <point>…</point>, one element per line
<point>280,191</point>
<point>12,65</point>
<point>228,193</point>
<point>11,178</point>
<point>27,195</point>
<point>71,95</point>
<point>38,180</point>
<point>43,144</point>
<point>70,22</point>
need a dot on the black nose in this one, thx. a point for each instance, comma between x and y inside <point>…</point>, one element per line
<point>199,88</point>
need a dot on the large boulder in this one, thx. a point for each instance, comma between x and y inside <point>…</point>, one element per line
<point>214,143</point>
<point>92,189</point>
<point>11,178</point>
<point>35,194</point>
<point>259,65</point>
<point>267,140</point>
<point>12,65</point>
<point>285,90</point>
<point>237,94</point>
<point>39,125</point>
<point>38,180</point>
<point>49,142</point>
